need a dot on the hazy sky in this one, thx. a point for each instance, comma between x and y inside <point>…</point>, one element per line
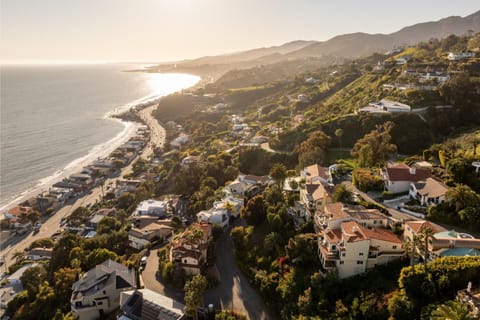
<point>163,30</point>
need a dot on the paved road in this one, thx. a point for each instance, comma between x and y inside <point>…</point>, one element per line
<point>234,291</point>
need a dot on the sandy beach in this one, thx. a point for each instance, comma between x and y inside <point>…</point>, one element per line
<point>52,223</point>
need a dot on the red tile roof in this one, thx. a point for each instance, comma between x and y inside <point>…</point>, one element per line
<point>416,226</point>
<point>402,172</point>
<point>335,210</point>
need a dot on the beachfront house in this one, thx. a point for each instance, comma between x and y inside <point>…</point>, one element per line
<point>97,292</point>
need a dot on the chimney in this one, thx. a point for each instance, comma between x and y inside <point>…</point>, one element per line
<point>413,170</point>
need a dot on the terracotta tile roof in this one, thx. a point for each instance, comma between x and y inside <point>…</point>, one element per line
<point>316,190</point>
<point>416,226</point>
<point>381,234</point>
<point>352,231</point>
<point>316,171</point>
<point>402,172</point>
<point>333,235</point>
<point>431,188</point>
<point>365,214</point>
<point>335,211</point>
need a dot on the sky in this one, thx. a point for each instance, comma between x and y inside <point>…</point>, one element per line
<point>49,31</point>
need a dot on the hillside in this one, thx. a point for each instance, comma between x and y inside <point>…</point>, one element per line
<point>361,44</point>
<point>347,46</point>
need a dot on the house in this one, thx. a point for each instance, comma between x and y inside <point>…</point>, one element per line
<point>97,292</point>
<point>180,140</point>
<point>160,230</point>
<point>251,180</point>
<point>144,304</point>
<point>302,97</point>
<point>413,228</point>
<point>312,195</point>
<point>352,249</point>
<point>298,119</point>
<point>403,60</point>
<point>218,216</point>
<point>388,106</point>
<point>455,56</point>
<point>189,251</point>
<point>124,186</point>
<point>233,205</point>
<point>39,254</point>
<point>428,192</point>
<point>151,208</point>
<point>315,174</point>
<point>398,177</point>
<point>236,188</point>
<point>334,214</point>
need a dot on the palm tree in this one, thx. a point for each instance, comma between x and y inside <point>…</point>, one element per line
<point>461,196</point>
<point>411,247</point>
<point>451,310</point>
<point>425,234</point>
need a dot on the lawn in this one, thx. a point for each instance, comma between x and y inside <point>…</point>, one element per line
<point>334,154</point>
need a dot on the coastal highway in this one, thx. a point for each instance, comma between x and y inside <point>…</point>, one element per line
<point>52,224</point>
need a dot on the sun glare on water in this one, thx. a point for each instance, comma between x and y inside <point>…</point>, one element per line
<point>166,83</point>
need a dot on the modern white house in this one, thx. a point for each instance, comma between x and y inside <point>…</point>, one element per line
<point>218,216</point>
<point>97,292</point>
<point>398,177</point>
<point>455,56</point>
<point>390,106</point>
<point>151,208</point>
<point>142,304</point>
<point>428,192</point>
<point>237,188</point>
<point>352,249</point>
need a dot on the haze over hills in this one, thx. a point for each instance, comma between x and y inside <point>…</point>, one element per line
<point>345,46</point>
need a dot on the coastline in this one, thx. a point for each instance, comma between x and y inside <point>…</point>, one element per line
<point>97,151</point>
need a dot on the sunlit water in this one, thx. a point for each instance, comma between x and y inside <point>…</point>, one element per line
<point>54,118</point>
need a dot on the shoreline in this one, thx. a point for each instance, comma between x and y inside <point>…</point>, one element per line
<point>97,151</point>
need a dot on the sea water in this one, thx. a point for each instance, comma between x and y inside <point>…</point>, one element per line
<point>55,119</point>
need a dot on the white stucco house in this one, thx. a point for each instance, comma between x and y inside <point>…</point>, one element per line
<point>398,177</point>
<point>151,208</point>
<point>428,192</point>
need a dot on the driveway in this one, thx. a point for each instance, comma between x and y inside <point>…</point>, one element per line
<point>234,290</point>
<point>151,280</point>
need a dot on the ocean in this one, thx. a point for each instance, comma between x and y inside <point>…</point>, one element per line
<point>54,119</point>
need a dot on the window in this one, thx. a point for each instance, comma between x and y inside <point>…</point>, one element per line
<point>342,262</point>
<point>343,254</point>
<point>99,303</point>
<point>360,253</point>
<point>359,262</point>
<point>394,247</point>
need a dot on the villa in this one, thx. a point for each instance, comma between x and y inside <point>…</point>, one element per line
<point>455,56</point>
<point>398,177</point>
<point>428,192</point>
<point>146,304</point>
<point>353,249</point>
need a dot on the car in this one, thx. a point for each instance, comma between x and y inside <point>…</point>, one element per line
<point>88,205</point>
<point>143,261</point>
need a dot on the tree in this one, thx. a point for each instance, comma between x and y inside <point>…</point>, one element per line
<point>63,281</point>
<point>375,147</point>
<point>462,196</point>
<point>451,310</point>
<point>125,200</point>
<point>255,211</point>
<point>313,149</point>
<point>78,217</point>
<point>32,278</point>
<point>279,173</point>
<point>194,295</point>
<point>339,134</point>
<point>342,194</point>
<point>98,256</point>
<point>425,234</point>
